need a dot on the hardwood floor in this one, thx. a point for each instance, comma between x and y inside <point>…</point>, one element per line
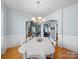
<point>12,53</point>
<point>63,53</point>
<point>60,53</point>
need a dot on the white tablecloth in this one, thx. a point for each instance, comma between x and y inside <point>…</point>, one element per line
<point>32,47</point>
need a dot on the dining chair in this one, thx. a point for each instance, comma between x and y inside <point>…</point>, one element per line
<point>52,41</point>
<point>25,40</point>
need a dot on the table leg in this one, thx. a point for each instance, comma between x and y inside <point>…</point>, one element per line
<point>24,56</point>
<point>44,57</point>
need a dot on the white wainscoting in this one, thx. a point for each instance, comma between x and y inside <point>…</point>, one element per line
<point>3,45</point>
<point>70,42</point>
<point>14,40</point>
<point>10,41</point>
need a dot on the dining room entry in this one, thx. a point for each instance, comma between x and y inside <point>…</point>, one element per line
<point>47,28</point>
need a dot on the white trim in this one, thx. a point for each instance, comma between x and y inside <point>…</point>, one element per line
<point>69,41</point>
<point>14,40</point>
<point>3,46</point>
<point>70,36</point>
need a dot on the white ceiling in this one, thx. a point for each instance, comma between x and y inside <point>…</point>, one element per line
<point>43,9</point>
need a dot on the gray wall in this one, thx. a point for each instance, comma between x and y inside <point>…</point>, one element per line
<point>3,29</point>
<point>16,22</point>
<point>3,21</point>
<point>12,27</point>
<point>70,20</point>
<point>70,27</point>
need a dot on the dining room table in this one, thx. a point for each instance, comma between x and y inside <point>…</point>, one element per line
<point>37,46</point>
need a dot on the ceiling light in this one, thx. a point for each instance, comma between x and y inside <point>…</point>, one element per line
<point>33,18</point>
<point>34,21</point>
<point>43,19</point>
<point>39,17</point>
<point>38,20</point>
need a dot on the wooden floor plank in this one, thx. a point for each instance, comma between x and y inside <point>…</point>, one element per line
<point>60,53</point>
<point>12,53</point>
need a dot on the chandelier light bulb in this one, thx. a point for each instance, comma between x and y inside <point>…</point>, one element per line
<point>43,19</point>
<point>35,21</point>
<point>40,21</point>
<point>39,17</point>
<point>33,18</point>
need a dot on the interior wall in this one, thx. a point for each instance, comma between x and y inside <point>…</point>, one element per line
<point>67,25</point>
<point>70,27</point>
<point>3,21</point>
<point>17,22</point>
<point>3,29</point>
<point>70,20</point>
<point>16,27</point>
<point>56,16</point>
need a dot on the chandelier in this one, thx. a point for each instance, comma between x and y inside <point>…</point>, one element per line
<point>38,20</point>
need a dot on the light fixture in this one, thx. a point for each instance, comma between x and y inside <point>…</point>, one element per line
<point>39,17</point>
<point>33,18</point>
<point>43,19</point>
<point>38,20</point>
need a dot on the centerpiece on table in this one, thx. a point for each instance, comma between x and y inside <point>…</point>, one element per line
<point>39,39</point>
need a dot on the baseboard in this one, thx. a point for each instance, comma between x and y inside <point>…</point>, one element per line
<point>3,46</point>
<point>69,41</point>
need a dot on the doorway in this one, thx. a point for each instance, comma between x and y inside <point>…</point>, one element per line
<point>46,29</point>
